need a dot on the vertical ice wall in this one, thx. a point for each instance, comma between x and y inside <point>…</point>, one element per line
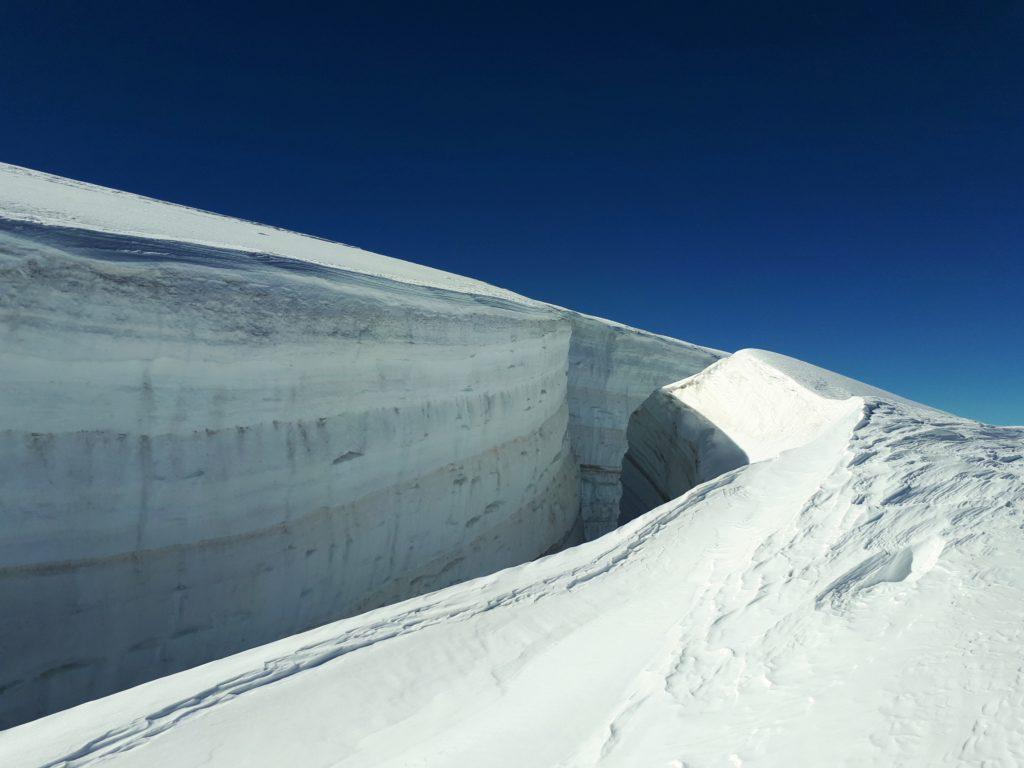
<point>202,451</point>
<point>214,434</point>
<point>612,370</point>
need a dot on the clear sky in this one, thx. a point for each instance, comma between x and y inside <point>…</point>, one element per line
<point>843,184</point>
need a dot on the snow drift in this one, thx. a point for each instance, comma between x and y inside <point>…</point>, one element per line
<point>816,570</point>
<point>692,431</point>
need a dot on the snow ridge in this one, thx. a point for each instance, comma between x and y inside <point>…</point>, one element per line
<point>42,198</point>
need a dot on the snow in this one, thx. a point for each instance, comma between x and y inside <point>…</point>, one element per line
<point>856,596</point>
<point>42,198</point>
<point>843,583</point>
<point>209,448</point>
<point>612,370</point>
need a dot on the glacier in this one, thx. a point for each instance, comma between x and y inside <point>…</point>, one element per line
<point>339,509</point>
<point>208,447</point>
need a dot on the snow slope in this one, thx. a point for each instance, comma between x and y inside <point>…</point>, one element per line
<point>852,596</point>
<point>42,198</point>
<point>215,434</point>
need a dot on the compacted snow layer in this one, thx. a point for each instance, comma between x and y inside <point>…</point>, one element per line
<point>217,434</point>
<point>853,595</point>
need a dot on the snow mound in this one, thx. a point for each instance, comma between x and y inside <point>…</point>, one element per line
<point>745,409</point>
<point>768,403</point>
<point>852,592</point>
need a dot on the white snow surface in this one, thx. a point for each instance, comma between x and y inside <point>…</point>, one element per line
<point>43,198</point>
<point>853,596</point>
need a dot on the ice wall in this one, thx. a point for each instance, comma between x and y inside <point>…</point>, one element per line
<point>612,371</point>
<point>202,458</point>
<point>215,434</point>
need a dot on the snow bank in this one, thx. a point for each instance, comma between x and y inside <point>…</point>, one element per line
<point>748,408</point>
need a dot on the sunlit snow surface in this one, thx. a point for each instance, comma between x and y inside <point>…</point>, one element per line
<point>855,596</point>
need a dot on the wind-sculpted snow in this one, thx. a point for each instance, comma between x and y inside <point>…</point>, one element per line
<point>694,430</point>
<point>852,595</point>
<point>216,434</point>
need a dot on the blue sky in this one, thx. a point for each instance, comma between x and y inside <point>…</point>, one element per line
<point>844,185</point>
